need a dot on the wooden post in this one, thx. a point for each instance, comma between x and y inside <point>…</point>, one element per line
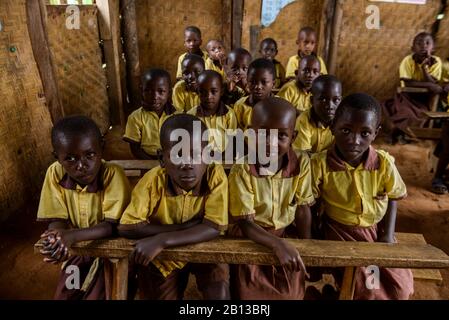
<point>348,284</point>
<point>109,22</point>
<point>237,19</point>
<point>335,36</point>
<point>326,28</point>
<point>36,21</point>
<point>119,278</point>
<point>131,49</point>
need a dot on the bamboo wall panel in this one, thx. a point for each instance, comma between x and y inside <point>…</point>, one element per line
<point>25,123</point>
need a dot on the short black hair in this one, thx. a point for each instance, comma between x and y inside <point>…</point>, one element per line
<point>193,29</point>
<point>269,40</point>
<point>272,108</point>
<point>195,58</point>
<point>72,126</point>
<point>210,74</point>
<point>262,63</point>
<point>154,73</point>
<point>178,121</point>
<point>321,80</point>
<point>422,35</point>
<point>306,30</point>
<point>239,52</point>
<point>359,101</point>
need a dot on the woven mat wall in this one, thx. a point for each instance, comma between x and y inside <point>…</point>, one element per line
<point>442,38</point>
<point>285,28</point>
<point>161,23</point>
<point>77,59</point>
<point>25,123</point>
<point>368,60</point>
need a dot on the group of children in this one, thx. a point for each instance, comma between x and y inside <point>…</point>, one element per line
<point>329,182</point>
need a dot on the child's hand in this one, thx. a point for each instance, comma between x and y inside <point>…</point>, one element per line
<point>147,249</point>
<point>53,251</point>
<point>435,88</point>
<point>288,256</point>
<point>446,88</point>
<point>191,223</point>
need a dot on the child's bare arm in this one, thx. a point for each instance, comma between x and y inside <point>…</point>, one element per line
<point>147,249</point>
<point>432,86</point>
<point>147,230</point>
<point>287,254</point>
<point>303,221</point>
<point>138,152</point>
<point>386,226</point>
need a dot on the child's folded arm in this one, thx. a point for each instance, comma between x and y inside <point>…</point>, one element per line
<point>144,229</point>
<point>385,231</point>
<point>303,221</point>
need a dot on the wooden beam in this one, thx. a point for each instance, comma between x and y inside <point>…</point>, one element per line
<point>37,29</point>
<point>237,19</point>
<point>226,23</point>
<point>437,114</point>
<point>326,28</point>
<point>109,23</point>
<point>335,37</point>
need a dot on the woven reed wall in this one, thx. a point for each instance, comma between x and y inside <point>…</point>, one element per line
<point>78,62</point>
<point>442,38</point>
<point>161,23</point>
<point>368,60</point>
<point>25,123</point>
<point>285,28</point>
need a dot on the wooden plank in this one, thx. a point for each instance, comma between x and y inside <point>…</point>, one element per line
<point>226,23</point>
<point>426,133</point>
<point>413,90</point>
<point>119,278</point>
<point>36,22</point>
<point>326,29</point>
<point>136,164</point>
<point>437,115</point>
<point>237,20</point>
<point>335,36</point>
<point>313,252</point>
<point>348,284</point>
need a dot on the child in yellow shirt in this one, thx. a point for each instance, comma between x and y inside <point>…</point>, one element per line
<point>260,83</point>
<point>269,49</point>
<point>266,203</point>
<point>216,57</point>
<point>143,125</point>
<point>183,201</point>
<point>192,43</point>
<point>185,92</point>
<point>217,116</point>
<point>297,91</point>
<point>83,198</point>
<point>306,45</point>
<point>236,69</point>
<point>313,125</point>
<point>358,188</point>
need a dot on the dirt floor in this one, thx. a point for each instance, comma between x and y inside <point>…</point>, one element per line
<point>23,275</point>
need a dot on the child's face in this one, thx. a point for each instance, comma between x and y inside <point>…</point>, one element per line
<point>239,66</point>
<point>354,131</point>
<point>210,91</point>
<point>185,175</point>
<point>306,42</point>
<point>155,94</point>
<point>326,101</point>
<point>192,42</point>
<point>308,71</point>
<point>216,50</point>
<point>80,157</point>
<point>190,72</point>
<point>260,83</point>
<point>423,46</point>
<point>268,50</point>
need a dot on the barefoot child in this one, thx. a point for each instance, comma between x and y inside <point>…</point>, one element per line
<point>144,124</point>
<point>183,201</point>
<point>216,57</point>
<point>83,198</point>
<point>313,125</point>
<point>269,49</point>
<point>358,187</point>
<point>185,92</point>
<point>297,91</point>
<point>264,204</point>
<point>306,46</point>
<point>236,69</point>
<point>192,43</point>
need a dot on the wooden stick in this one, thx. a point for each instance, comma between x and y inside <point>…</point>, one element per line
<point>348,284</point>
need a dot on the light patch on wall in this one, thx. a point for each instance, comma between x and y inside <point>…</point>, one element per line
<point>402,1</point>
<point>270,10</point>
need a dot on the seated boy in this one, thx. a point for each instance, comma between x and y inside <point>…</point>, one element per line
<point>236,69</point>
<point>217,116</point>
<point>192,43</point>
<point>185,92</point>
<point>297,91</point>
<point>260,83</point>
<point>358,188</point>
<point>181,202</point>
<point>269,49</point>
<point>216,57</point>
<point>313,125</point>
<point>83,198</point>
<point>143,125</point>
<point>306,45</point>
<point>266,199</point>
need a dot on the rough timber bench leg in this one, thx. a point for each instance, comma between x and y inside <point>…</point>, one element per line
<point>117,271</point>
<point>348,284</point>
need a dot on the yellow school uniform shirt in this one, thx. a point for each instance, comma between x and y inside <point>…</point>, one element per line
<point>144,126</point>
<point>356,196</point>
<point>84,207</point>
<point>409,69</point>
<point>184,100</point>
<point>299,98</point>
<point>152,202</point>
<point>217,125</point>
<point>312,136</point>
<point>445,77</point>
<point>210,65</point>
<point>293,63</point>
<point>280,74</point>
<point>181,57</point>
<point>271,201</point>
<point>243,112</point>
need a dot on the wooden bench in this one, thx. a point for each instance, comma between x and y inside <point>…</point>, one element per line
<point>315,253</point>
<point>433,103</point>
